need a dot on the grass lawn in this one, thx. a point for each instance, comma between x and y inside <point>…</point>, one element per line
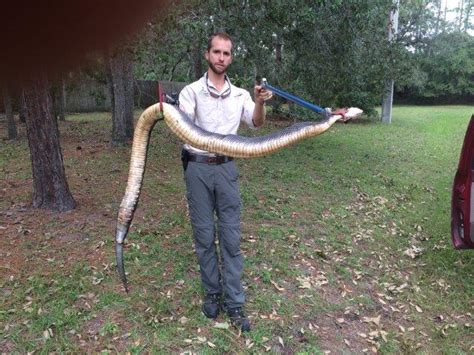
<point>346,240</point>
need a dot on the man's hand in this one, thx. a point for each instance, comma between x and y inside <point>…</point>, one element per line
<point>261,95</point>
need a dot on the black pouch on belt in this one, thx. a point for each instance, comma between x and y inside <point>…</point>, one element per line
<point>184,158</point>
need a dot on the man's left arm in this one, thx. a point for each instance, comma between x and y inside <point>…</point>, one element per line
<point>261,95</point>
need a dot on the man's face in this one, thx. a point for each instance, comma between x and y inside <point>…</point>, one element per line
<point>219,56</point>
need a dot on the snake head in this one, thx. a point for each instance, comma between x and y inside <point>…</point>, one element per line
<point>353,112</point>
<point>347,114</point>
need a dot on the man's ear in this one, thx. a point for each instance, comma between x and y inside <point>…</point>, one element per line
<point>206,55</point>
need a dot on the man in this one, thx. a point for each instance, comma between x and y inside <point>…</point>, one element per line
<point>216,105</point>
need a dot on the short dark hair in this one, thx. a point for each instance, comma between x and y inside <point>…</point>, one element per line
<point>222,35</point>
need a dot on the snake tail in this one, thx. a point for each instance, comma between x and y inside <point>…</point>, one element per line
<point>129,203</point>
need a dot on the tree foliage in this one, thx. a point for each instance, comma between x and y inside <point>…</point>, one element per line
<point>318,49</point>
<point>438,60</point>
<point>335,53</point>
<point>450,66</point>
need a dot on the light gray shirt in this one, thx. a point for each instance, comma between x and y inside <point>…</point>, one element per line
<point>216,111</point>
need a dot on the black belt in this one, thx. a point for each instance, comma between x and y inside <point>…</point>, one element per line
<point>206,159</point>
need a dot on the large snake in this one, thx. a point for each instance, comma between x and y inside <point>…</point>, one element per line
<point>231,145</point>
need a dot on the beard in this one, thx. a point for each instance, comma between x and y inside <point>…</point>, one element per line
<point>216,70</point>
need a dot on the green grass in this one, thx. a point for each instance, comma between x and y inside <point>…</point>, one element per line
<point>337,212</point>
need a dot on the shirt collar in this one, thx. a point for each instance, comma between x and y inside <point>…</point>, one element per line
<point>225,92</point>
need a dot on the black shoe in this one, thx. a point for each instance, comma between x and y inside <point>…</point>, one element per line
<point>211,305</point>
<point>239,319</point>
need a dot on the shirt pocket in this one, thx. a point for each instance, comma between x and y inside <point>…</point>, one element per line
<point>207,107</point>
<point>233,108</point>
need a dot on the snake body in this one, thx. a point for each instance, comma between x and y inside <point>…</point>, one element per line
<point>231,145</point>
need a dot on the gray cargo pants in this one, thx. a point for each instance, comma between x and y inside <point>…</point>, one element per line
<point>214,190</point>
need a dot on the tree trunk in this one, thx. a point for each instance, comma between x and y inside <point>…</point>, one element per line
<point>196,55</point>
<point>50,187</point>
<point>468,7</point>
<point>438,16</point>
<point>62,100</point>
<point>7,103</point>
<point>387,98</point>
<point>278,51</point>
<point>110,86</point>
<point>461,11</point>
<point>22,114</point>
<point>445,15</point>
<point>122,95</point>
<point>58,99</point>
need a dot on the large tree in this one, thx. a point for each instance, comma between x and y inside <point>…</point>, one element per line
<point>50,187</point>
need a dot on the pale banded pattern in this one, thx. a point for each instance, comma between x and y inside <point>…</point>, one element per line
<point>238,146</point>
<point>231,145</point>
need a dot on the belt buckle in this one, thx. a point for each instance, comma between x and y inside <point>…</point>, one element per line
<point>212,160</point>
